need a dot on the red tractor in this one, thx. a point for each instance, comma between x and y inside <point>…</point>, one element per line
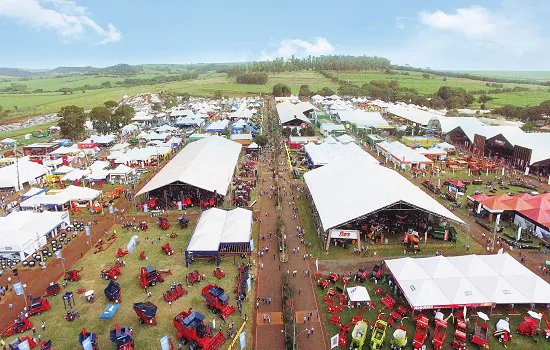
<point>142,255</point>
<point>193,277</point>
<point>421,331</point>
<point>191,328</point>
<point>440,334</point>
<point>85,337</point>
<point>149,276</point>
<point>19,326</point>
<point>323,283</point>
<point>459,340</point>
<point>111,273</point>
<point>217,301</point>
<point>112,292</point>
<point>163,223</point>
<point>147,312</point>
<point>218,273</point>
<point>123,338</point>
<point>52,289</point>
<point>362,275</point>
<point>120,253</point>
<point>167,249</point>
<point>376,272</point>
<point>38,305</point>
<point>176,291</point>
<point>73,275</point>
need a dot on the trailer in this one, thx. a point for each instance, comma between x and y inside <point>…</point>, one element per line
<point>53,289</point>
<point>479,337</point>
<point>421,331</point>
<point>122,337</point>
<point>38,305</point>
<point>73,275</point>
<point>191,329</point>
<point>147,312</point>
<point>111,273</point>
<point>440,334</point>
<point>149,276</point>
<point>459,339</point>
<point>19,326</point>
<point>217,301</point>
<point>85,337</point>
<point>443,233</point>
<point>359,334</point>
<point>112,292</point>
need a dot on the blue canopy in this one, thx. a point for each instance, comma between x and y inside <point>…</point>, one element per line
<point>109,311</point>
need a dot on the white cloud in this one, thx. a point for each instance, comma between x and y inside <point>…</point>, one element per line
<point>66,17</point>
<point>472,21</point>
<point>400,22</point>
<point>299,48</point>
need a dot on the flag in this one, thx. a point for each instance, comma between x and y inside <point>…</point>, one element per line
<point>213,323</point>
<point>334,341</point>
<point>426,236</point>
<point>58,254</point>
<point>18,288</point>
<point>317,264</point>
<point>87,230</point>
<point>242,340</point>
<point>165,343</point>
<point>249,283</point>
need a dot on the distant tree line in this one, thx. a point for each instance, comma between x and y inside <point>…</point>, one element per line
<point>252,78</point>
<point>474,76</point>
<point>525,114</point>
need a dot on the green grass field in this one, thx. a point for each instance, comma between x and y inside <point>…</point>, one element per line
<point>425,86</point>
<point>528,75</point>
<point>206,85</point>
<point>64,335</point>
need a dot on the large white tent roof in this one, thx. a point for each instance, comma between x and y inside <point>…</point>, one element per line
<point>216,226</point>
<point>19,228</point>
<point>362,118</point>
<point>288,111</point>
<point>208,163</point>
<point>349,181</point>
<point>70,193</point>
<point>24,170</point>
<point>467,280</point>
<point>330,151</point>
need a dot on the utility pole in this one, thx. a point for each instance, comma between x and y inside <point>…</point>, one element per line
<point>16,165</point>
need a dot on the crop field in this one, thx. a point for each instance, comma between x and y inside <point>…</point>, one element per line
<point>415,80</point>
<point>528,75</point>
<point>207,85</point>
<point>64,334</point>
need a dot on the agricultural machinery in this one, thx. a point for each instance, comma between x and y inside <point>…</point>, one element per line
<point>52,289</point>
<point>479,337</point>
<point>399,338</point>
<point>440,334</point>
<point>14,344</point>
<point>163,223</point>
<point>46,345</point>
<point>73,275</point>
<point>167,249</point>
<point>218,273</point>
<point>111,273</point>
<point>502,331</point>
<point>193,277</point>
<point>361,275</point>
<point>443,233</point>
<point>38,305</point>
<point>242,277</point>
<point>72,315</point>
<point>147,312</point>
<point>183,221</point>
<point>142,255</point>
<point>112,292</point>
<point>376,272</point>
<point>120,253</point>
<point>323,283</point>
<point>123,338</point>
<point>359,334</point>
<point>85,337</point>
<point>459,339</point>
<point>333,277</point>
<point>217,301</point>
<point>176,291</point>
<point>421,331</point>
<point>19,326</point>
<point>378,334</point>
<point>149,276</point>
<point>191,328</point>
<point>531,325</point>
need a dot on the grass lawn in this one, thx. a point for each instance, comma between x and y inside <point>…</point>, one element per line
<point>518,342</point>
<point>64,335</point>
<point>428,86</point>
<point>206,85</point>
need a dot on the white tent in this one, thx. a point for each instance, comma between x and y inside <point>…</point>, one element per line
<point>406,268</point>
<point>499,291</point>
<point>345,139</point>
<point>121,170</point>
<point>350,181</point>
<point>120,146</point>
<point>253,145</point>
<point>460,291</point>
<point>24,170</point>
<point>358,294</point>
<point>8,143</point>
<point>423,294</point>
<point>76,174</point>
<point>64,169</point>
<point>504,264</point>
<point>22,233</point>
<point>208,164</point>
<point>533,287</point>
<point>472,266</point>
<point>439,267</point>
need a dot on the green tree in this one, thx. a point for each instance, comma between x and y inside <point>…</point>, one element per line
<point>305,91</point>
<point>4,113</point>
<point>281,90</point>
<point>218,94</point>
<point>106,84</point>
<point>294,132</point>
<point>261,140</point>
<point>528,126</point>
<point>72,122</point>
<point>122,116</point>
<point>110,104</point>
<point>157,107</point>
<point>101,119</point>
<point>484,98</point>
<point>286,132</point>
<point>308,131</point>
<point>326,91</point>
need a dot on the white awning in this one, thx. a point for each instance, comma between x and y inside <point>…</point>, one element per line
<point>358,294</point>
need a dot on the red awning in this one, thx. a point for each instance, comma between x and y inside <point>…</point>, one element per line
<point>457,183</point>
<point>496,202</point>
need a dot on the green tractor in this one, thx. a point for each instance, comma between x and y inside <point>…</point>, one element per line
<point>378,334</point>
<point>359,335</point>
<point>438,232</point>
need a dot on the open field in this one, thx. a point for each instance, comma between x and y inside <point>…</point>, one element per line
<point>65,334</point>
<point>425,86</point>
<point>528,75</point>
<point>207,85</point>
